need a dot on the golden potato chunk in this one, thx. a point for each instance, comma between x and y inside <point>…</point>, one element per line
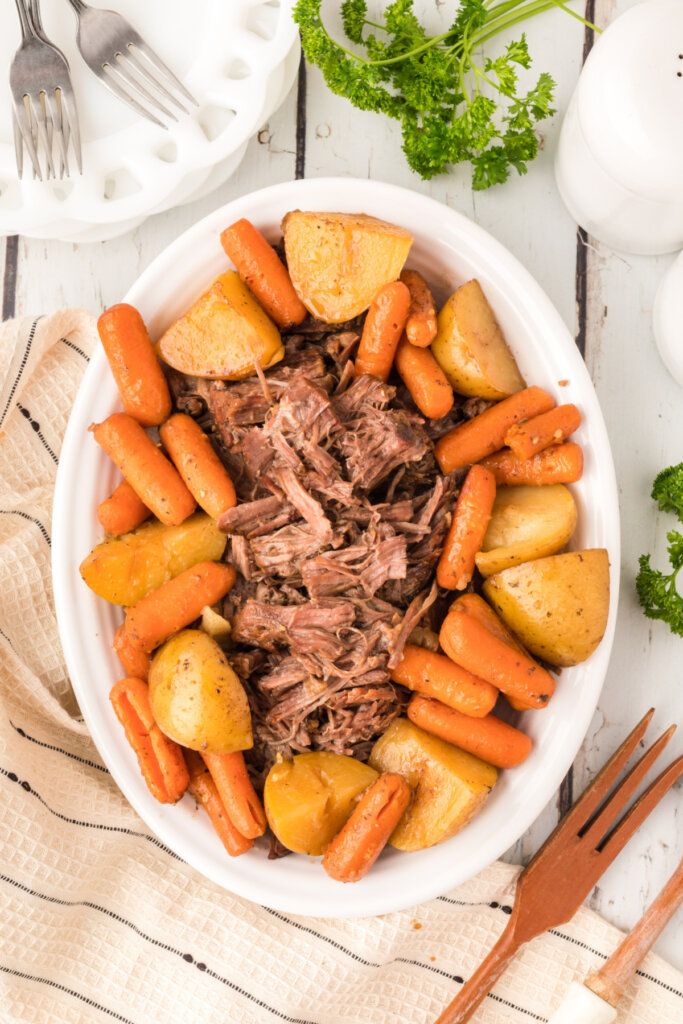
<point>309,798</point>
<point>125,569</point>
<point>223,334</point>
<point>526,523</point>
<point>339,261</point>
<point>470,347</point>
<point>196,697</point>
<point>557,606</point>
<point>449,786</point>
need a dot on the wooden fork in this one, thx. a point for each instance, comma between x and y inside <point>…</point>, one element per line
<point>559,878</point>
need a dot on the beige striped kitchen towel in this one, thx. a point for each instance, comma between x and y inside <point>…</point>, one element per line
<point>100,922</point>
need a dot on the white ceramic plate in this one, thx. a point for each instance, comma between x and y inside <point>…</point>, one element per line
<point>223,52</point>
<point>448,249</point>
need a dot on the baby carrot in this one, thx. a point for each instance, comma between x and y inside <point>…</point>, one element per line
<point>480,610</point>
<point>529,438</point>
<point>156,482</point>
<point>488,738</point>
<point>177,603</point>
<point>134,364</point>
<point>467,530</point>
<point>484,434</point>
<point>203,789</point>
<point>195,459</point>
<point>135,662</point>
<point>421,325</point>
<point>435,675</point>
<point>357,846</point>
<point>425,379</point>
<point>229,773</point>
<point>122,511</point>
<point>263,272</point>
<point>471,645</point>
<point>560,464</point>
<point>160,758</point>
<point>382,329</point>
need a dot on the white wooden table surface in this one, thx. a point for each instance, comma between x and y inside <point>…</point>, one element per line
<point>605,298</point>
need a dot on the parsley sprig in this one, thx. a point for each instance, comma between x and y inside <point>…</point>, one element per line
<point>434,86</point>
<point>657,592</point>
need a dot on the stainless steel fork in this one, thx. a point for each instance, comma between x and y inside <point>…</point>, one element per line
<point>123,61</point>
<point>44,105</point>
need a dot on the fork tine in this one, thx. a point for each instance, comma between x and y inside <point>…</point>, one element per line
<point>27,136</point>
<point>590,799</point>
<point>18,146</point>
<point>41,125</point>
<point>57,126</point>
<point>69,105</point>
<point>595,830</point>
<point>139,43</point>
<point>635,817</point>
<point>156,82</point>
<point>115,87</point>
<point>131,76</point>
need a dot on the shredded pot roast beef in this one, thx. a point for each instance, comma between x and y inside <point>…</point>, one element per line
<point>341,518</point>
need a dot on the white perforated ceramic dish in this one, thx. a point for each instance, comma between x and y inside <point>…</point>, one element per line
<point>225,53</point>
<point>448,249</point>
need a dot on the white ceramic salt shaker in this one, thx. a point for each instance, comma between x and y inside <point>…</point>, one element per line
<point>668,320</point>
<point>619,166</point>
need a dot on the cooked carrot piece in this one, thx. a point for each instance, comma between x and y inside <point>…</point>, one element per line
<point>203,789</point>
<point>134,364</point>
<point>177,603</point>
<point>229,772</point>
<point>467,530</point>
<point>560,464</point>
<point>550,428</point>
<point>160,758</point>
<point>425,379</point>
<point>135,662</point>
<point>435,675</point>
<point>357,846</point>
<point>156,482</point>
<point>471,645</point>
<point>421,325</point>
<point>122,511</point>
<point>488,738</point>
<point>194,457</point>
<point>480,610</point>
<point>484,434</point>
<point>382,329</point>
<point>263,272</point>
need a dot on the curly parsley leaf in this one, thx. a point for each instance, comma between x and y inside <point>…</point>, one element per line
<point>452,107</point>
<point>667,490</point>
<point>658,592</point>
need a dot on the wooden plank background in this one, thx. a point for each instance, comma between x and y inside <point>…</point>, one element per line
<point>605,298</point>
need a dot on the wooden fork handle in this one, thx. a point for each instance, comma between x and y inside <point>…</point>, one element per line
<point>482,981</point>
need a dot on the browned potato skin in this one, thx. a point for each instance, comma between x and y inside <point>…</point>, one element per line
<point>338,261</point>
<point>526,523</point>
<point>223,334</point>
<point>196,697</point>
<point>470,347</point>
<point>449,786</point>
<point>125,569</point>
<point>557,606</point>
<point>308,799</point>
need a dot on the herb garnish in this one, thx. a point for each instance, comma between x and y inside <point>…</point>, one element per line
<point>434,86</point>
<point>657,592</point>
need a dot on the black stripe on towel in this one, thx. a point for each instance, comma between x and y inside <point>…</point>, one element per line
<point>75,348</point>
<point>36,429</point>
<point>31,519</point>
<point>69,991</point>
<point>15,384</point>
<point>58,750</point>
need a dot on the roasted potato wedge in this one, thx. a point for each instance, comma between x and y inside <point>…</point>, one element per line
<point>449,786</point>
<point>223,334</point>
<point>526,523</point>
<point>309,798</point>
<point>470,347</point>
<point>125,569</point>
<point>557,606</point>
<point>339,261</point>
<point>196,697</point>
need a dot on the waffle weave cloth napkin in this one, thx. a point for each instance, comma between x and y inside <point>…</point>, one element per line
<point>101,923</point>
